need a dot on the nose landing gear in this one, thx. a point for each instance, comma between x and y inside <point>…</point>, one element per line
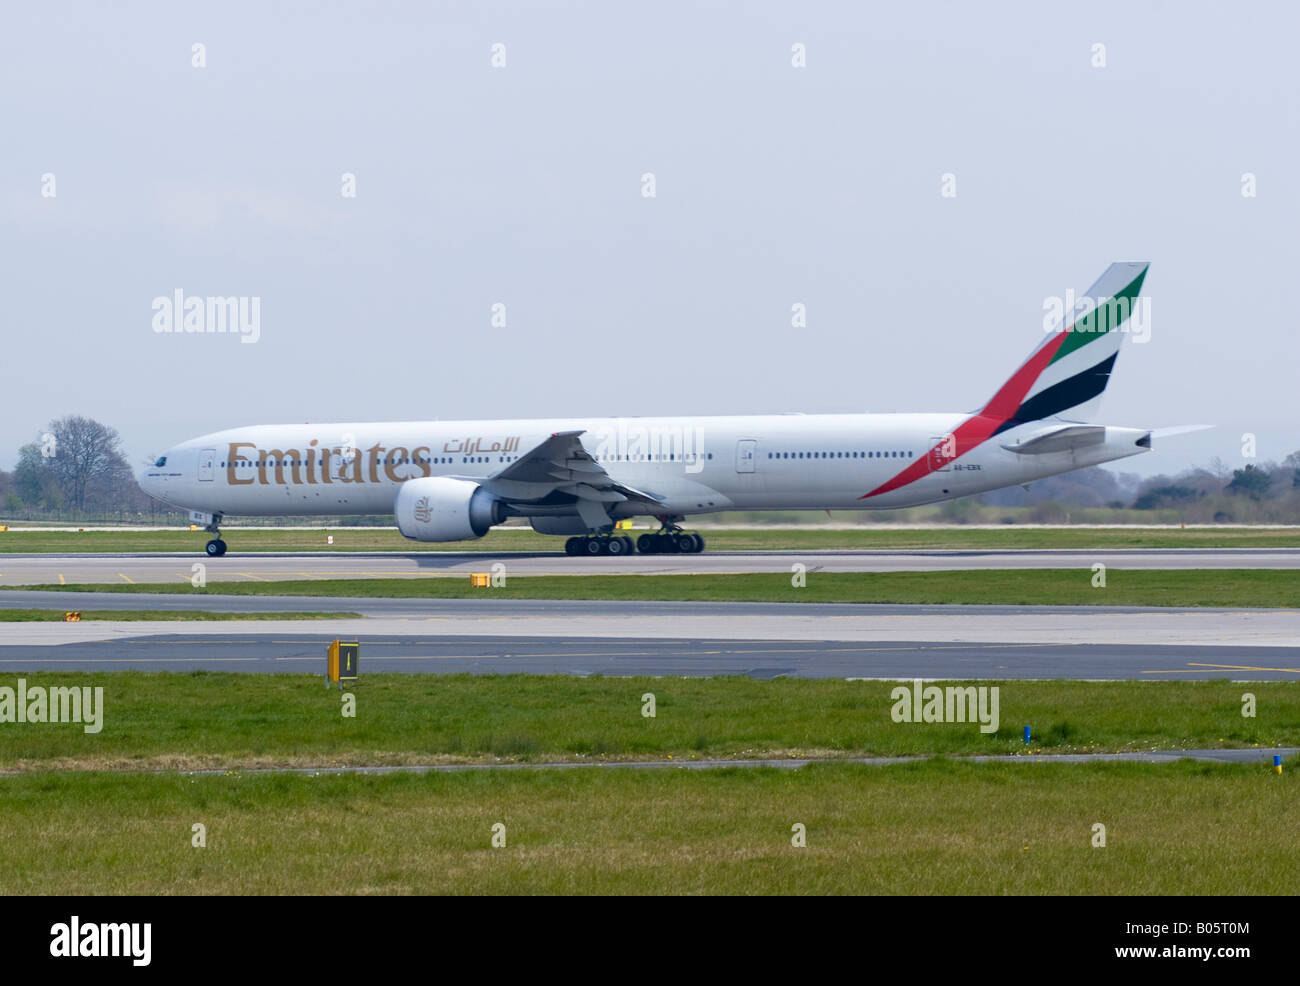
<point>216,547</point>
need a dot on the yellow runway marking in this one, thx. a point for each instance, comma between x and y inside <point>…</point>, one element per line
<point>62,580</point>
<point>1192,668</point>
<point>250,575</point>
<point>121,576</point>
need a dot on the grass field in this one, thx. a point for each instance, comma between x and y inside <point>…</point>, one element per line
<point>935,827</point>
<point>373,539</point>
<point>56,616</point>
<point>225,720</point>
<point>930,827</point>
<point>1124,587</point>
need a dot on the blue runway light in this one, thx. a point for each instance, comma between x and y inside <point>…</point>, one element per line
<point>1026,734</point>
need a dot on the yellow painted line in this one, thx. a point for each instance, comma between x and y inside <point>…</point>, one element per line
<point>1241,667</point>
<point>1193,669</point>
<point>250,575</point>
<point>62,580</point>
<point>121,576</point>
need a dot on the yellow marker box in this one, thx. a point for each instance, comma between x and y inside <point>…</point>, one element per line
<point>479,580</point>
<point>342,662</point>
<point>73,617</point>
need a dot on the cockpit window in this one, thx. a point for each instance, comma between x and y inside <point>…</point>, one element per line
<point>162,461</point>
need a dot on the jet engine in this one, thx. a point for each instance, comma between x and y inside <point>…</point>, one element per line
<point>436,508</point>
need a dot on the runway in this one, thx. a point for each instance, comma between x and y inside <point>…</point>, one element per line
<point>50,569</point>
<point>664,638</point>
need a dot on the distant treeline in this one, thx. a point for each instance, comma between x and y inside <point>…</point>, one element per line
<point>1254,493</point>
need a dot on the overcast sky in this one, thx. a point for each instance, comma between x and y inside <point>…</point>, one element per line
<point>522,186</point>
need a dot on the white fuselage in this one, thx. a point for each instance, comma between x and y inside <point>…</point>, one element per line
<point>693,465</point>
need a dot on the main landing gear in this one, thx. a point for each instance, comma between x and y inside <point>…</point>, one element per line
<point>660,543</point>
<point>670,542</point>
<point>601,544</point>
<point>216,547</point>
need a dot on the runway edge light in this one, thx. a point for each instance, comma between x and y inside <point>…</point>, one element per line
<point>1277,762</point>
<point>1026,734</point>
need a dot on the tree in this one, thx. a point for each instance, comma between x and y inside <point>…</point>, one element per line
<point>33,480</point>
<point>88,465</point>
<point>1251,482</point>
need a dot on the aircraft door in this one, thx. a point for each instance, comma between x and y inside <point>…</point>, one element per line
<point>746,453</point>
<point>207,459</point>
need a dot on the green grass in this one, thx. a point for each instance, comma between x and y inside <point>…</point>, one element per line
<point>230,720</point>
<point>56,616</point>
<point>928,828</point>
<point>249,540</point>
<point>1053,586</point>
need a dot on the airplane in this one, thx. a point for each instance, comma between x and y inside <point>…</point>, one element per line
<point>454,480</point>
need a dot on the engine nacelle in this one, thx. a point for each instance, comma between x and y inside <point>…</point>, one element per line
<point>436,508</point>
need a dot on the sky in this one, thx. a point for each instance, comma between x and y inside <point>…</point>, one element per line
<point>499,155</point>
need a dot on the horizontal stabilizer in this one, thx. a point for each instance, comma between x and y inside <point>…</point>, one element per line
<point>1064,439</point>
<point>1178,430</point>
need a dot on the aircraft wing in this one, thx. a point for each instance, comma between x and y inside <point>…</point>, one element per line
<point>562,465</point>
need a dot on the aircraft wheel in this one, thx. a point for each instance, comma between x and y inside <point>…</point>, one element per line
<point>647,544</point>
<point>593,546</point>
<point>699,544</point>
<point>572,547</point>
<point>213,548</point>
<point>629,548</point>
<point>615,546</point>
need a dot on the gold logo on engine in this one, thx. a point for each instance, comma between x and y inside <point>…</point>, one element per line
<point>423,512</point>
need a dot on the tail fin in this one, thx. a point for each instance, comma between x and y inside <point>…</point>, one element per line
<point>1065,375</point>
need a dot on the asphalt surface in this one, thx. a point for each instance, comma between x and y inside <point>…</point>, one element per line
<point>762,640</point>
<point>41,569</point>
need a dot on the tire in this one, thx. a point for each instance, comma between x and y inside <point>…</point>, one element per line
<point>699,544</point>
<point>689,544</point>
<point>213,548</point>
<point>615,546</point>
<point>629,548</point>
<point>592,546</point>
<point>646,544</point>
<point>572,547</point>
